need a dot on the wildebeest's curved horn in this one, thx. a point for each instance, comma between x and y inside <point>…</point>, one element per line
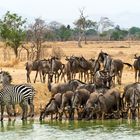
<point>100,94</point>
<point>102,74</point>
<point>112,75</point>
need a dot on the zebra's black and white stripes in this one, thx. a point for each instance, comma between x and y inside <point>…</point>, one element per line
<point>16,94</point>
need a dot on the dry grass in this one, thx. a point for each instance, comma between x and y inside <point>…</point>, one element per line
<point>10,63</point>
<point>57,52</point>
<point>91,50</point>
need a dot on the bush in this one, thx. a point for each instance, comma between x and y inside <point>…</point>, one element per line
<point>57,52</point>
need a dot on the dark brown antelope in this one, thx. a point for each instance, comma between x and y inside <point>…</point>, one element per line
<point>112,65</point>
<point>137,68</point>
<point>40,66</point>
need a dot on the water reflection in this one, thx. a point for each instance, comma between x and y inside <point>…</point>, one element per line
<point>88,124</point>
<point>15,125</point>
<point>68,130</point>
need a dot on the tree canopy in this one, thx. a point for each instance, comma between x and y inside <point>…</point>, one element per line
<point>12,30</point>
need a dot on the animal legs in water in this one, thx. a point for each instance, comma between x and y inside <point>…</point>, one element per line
<point>8,112</point>
<point>24,107</point>
<point>2,111</point>
<point>103,115</point>
<point>14,110</point>
<point>31,114</point>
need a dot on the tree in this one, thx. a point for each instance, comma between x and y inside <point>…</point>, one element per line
<point>64,33</point>
<point>118,34</point>
<point>134,32</point>
<point>12,31</point>
<point>103,25</point>
<point>82,24</point>
<point>37,32</point>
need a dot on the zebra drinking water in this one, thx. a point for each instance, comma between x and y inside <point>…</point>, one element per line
<point>11,94</point>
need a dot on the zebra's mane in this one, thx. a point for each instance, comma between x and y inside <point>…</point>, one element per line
<point>6,73</point>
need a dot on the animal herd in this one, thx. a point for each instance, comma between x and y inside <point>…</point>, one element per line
<point>92,95</point>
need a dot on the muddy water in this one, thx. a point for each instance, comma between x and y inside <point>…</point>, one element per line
<point>70,130</point>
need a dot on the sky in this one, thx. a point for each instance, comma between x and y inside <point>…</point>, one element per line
<point>125,13</point>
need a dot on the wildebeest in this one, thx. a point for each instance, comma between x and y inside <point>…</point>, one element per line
<point>33,66</point>
<point>88,86</point>
<point>40,66</point>
<point>56,68</point>
<point>63,87</point>
<point>137,68</point>
<point>132,99</point>
<point>95,66</point>
<point>112,65</point>
<point>85,66</point>
<point>66,105</point>
<point>74,66</point>
<point>103,79</point>
<point>52,107</point>
<point>91,105</point>
<point>79,100</point>
<point>106,104</point>
<point>66,73</point>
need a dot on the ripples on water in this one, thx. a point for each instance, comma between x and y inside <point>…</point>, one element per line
<point>70,130</point>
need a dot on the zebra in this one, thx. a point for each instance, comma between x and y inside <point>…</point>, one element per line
<point>11,94</point>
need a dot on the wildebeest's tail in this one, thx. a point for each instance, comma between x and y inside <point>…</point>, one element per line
<point>129,65</point>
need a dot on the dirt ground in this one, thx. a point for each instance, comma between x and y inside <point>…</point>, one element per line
<point>123,50</point>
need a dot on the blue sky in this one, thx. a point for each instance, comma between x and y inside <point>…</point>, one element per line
<point>126,13</point>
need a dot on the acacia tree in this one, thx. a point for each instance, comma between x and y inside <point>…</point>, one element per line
<point>82,24</point>
<point>37,35</point>
<point>12,31</point>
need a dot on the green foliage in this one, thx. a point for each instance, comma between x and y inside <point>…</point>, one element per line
<point>84,24</point>
<point>64,33</point>
<point>92,32</point>
<point>134,32</point>
<point>12,31</point>
<point>119,34</point>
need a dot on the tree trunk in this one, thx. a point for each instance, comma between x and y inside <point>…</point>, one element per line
<point>16,51</point>
<point>38,56</point>
<point>79,42</point>
<point>85,39</point>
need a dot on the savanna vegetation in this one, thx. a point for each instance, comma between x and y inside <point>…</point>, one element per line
<point>16,34</point>
<point>21,42</point>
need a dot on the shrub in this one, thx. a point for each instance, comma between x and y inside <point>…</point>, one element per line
<point>57,52</point>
